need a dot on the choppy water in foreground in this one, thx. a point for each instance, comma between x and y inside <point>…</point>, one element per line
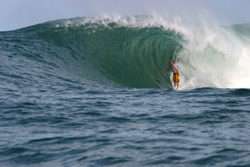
<point>71,104</point>
<point>71,125</point>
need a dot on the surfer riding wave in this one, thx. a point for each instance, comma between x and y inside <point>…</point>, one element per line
<point>176,75</point>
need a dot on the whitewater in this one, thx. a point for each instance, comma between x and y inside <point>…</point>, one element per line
<point>97,91</point>
<point>136,51</point>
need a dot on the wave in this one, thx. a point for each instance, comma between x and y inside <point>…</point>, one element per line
<point>136,51</point>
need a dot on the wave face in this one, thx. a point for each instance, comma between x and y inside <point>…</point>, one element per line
<point>136,51</point>
<point>133,56</point>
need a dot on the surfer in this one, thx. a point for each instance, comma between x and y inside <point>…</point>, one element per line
<point>176,75</point>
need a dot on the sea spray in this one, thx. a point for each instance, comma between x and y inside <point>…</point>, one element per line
<point>136,51</point>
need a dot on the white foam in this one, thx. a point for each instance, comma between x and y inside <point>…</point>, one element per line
<point>212,57</point>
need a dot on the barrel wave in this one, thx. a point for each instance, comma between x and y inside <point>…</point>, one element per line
<point>109,52</point>
<point>134,52</point>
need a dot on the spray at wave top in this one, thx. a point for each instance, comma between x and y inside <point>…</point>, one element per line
<point>215,57</point>
<point>211,56</point>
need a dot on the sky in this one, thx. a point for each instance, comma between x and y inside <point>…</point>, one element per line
<point>20,13</point>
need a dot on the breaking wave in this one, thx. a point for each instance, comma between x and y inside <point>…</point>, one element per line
<point>136,51</point>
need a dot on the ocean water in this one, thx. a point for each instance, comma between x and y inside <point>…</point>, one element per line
<point>97,92</point>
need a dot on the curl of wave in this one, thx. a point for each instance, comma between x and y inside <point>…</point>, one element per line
<point>136,51</point>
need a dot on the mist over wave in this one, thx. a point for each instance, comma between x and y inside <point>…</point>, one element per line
<point>136,51</point>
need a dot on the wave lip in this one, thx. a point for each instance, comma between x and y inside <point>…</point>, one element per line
<point>136,51</point>
<point>133,56</point>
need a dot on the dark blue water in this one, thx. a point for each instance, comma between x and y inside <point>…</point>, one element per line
<point>50,115</point>
<point>71,124</point>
